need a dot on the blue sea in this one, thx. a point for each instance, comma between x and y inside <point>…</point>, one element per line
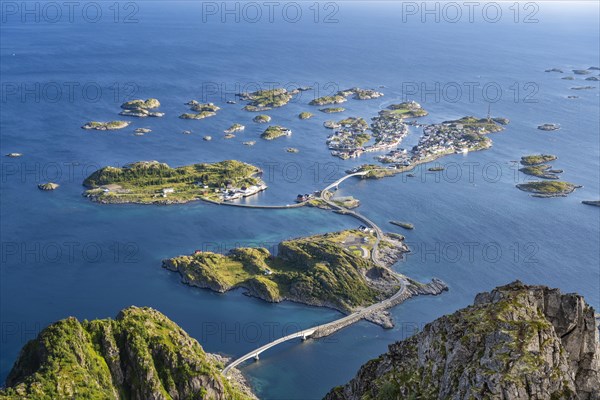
<point>63,255</point>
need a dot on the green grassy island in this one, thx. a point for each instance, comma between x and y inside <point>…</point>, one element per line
<point>141,354</point>
<point>144,104</point>
<point>106,126</point>
<point>332,270</point>
<point>537,159</point>
<point>151,182</point>
<point>274,132</point>
<point>263,100</point>
<point>305,115</point>
<point>342,96</point>
<point>408,109</point>
<point>548,189</point>
<point>261,119</point>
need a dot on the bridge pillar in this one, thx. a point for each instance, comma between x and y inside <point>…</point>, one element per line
<point>256,357</point>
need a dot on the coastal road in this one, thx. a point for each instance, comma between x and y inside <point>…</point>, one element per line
<point>331,327</point>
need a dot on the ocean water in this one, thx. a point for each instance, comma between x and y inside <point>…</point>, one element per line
<point>65,256</point>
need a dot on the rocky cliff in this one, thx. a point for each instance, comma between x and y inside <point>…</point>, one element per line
<point>139,355</point>
<point>516,342</point>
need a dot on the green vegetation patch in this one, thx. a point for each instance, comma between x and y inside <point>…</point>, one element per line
<point>153,182</point>
<point>274,132</point>
<point>262,100</point>
<point>319,270</point>
<point>140,354</point>
<point>141,104</point>
<point>305,115</point>
<point>537,159</point>
<point>548,187</point>
<point>332,110</point>
<point>324,100</point>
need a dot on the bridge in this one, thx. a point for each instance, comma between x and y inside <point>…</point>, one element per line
<point>328,328</point>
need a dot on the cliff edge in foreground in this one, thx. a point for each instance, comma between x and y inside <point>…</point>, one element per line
<point>140,355</point>
<point>516,342</point>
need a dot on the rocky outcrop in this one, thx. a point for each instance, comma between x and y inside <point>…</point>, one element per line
<point>515,342</point>
<point>139,355</point>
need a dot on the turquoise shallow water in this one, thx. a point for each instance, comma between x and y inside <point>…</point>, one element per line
<point>62,255</point>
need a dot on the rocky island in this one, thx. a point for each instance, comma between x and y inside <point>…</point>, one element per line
<point>235,128</point>
<point>516,342</point>
<point>333,270</point>
<point>106,126</point>
<point>141,354</point>
<point>408,109</point>
<point>141,108</point>
<point>263,100</point>
<point>332,110</point>
<point>261,119</point>
<point>534,165</point>
<point>151,182</point>
<point>305,115</point>
<point>342,96</point>
<point>548,189</point>
<point>549,127</point>
<point>274,132</point>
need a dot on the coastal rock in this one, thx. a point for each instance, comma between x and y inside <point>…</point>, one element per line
<point>581,71</point>
<point>517,342</point>
<point>48,186</point>
<point>592,78</point>
<point>14,155</point>
<point>139,355</point>
<point>554,70</point>
<point>235,128</point>
<point>261,119</point>
<point>591,202</point>
<point>549,127</point>
<point>143,104</point>
<point>106,126</point>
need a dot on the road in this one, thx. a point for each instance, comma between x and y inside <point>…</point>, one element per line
<point>331,327</point>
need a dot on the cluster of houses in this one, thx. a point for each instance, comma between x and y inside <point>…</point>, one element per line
<point>232,193</point>
<point>437,139</point>
<point>388,133</point>
<point>301,198</point>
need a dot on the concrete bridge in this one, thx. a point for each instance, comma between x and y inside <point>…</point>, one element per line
<point>328,328</point>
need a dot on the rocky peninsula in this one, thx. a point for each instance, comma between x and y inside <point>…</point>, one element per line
<point>516,342</point>
<point>332,270</point>
<point>139,355</point>
<point>152,182</point>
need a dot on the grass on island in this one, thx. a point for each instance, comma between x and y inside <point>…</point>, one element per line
<point>106,126</point>
<point>332,110</point>
<point>409,109</point>
<point>324,100</point>
<point>266,99</point>
<point>375,171</point>
<point>200,115</point>
<point>537,159</point>
<point>305,115</point>
<point>548,187</point>
<point>322,270</point>
<point>261,119</point>
<point>354,124</point>
<point>274,132</point>
<point>141,104</point>
<point>146,182</point>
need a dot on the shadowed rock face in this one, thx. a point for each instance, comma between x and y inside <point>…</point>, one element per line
<point>139,355</point>
<point>515,342</point>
